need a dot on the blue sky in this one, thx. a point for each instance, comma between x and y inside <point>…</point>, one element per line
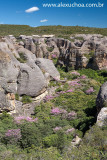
<point>13,12</point>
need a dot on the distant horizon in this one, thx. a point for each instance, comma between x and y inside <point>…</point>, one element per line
<point>53,25</point>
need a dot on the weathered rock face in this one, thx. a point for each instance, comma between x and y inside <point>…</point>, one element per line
<point>8,73</point>
<point>30,81</point>
<point>87,51</point>
<point>102,97</point>
<point>20,74</point>
<point>29,44</point>
<point>102,117</point>
<point>4,104</point>
<point>100,58</point>
<point>47,65</point>
<point>101,104</point>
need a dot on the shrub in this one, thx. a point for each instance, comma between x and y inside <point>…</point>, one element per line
<point>12,136</point>
<point>17,96</point>
<point>22,58</point>
<point>50,49</point>
<point>30,135</point>
<point>26,99</point>
<point>24,118</point>
<point>90,90</point>
<point>50,140</point>
<point>93,74</point>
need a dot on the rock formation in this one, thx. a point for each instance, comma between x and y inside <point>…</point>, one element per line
<point>26,63</point>
<point>102,117</point>
<point>21,74</point>
<point>87,51</point>
<point>101,103</point>
<point>102,97</point>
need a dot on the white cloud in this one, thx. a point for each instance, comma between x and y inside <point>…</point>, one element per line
<point>33,9</point>
<point>44,20</point>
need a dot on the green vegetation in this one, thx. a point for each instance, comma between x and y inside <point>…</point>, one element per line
<point>50,49</point>
<point>17,96</point>
<point>58,31</point>
<point>48,134</point>
<point>98,75</point>
<point>26,99</point>
<point>22,58</point>
<point>89,55</point>
<point>79,38</point>
<point>92,147</point>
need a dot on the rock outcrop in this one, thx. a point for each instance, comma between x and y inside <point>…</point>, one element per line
<point>101,103</point>
<point>100,57</point>
<point>102,97</point>
<point>20,74</point>
<point>87,51</point>
<point>47,65</point>
<point>102,117</point>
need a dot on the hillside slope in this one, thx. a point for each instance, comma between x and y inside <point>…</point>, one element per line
<point>59,31</point>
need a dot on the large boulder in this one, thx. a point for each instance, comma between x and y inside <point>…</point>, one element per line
<point>47,65</point>
<point>4,104</point>
<point>20,75</point>
<point>102,97</point>
<point>101,104</point>
<point>29,44</point>
<point>21,78</point>
<point>31,82</point>
<point>100,58</point>
<point>27,55</point>
<point>8,73</point>
<point>41,51</point>
<point>102,117</point>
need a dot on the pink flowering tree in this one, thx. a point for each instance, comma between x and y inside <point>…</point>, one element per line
<point>20,119</point>
<point>75,73</point>
<point>57,129</point>
<point>55,111</point>
<point>72,115</point>
<point>89,91</point>
<point>83,77</point>
<point>70,90</point>
<point>13,136</point>
<point>70,130</point>
<point>75,83</point>
<point>61,112</point>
